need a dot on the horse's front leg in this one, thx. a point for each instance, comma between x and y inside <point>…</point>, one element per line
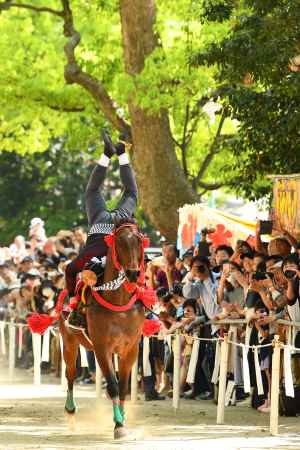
<point>125,366</point>
<point>107,368</point>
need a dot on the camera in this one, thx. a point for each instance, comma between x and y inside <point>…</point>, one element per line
<point>226,261</point>
<point>289,274</point>
<point>259,276</point>
<point>206,231</point>
<point>265,227</point>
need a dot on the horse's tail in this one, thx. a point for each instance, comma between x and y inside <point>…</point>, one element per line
<point>39,323</point>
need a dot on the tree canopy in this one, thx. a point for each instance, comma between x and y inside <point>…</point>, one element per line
<point>206,88</point>
<point>258,73</point>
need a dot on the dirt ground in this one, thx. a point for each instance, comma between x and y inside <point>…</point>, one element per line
<point>33,418</point>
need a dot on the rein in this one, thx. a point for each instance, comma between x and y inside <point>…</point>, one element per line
<point>145,295</point>
<point>110,241</point>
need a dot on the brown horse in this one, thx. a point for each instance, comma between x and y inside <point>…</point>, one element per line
<point>110,331</point>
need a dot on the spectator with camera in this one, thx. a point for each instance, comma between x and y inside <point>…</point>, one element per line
<point>202,286</point>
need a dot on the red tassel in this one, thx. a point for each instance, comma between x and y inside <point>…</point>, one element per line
<point>147,296</point>
<point>109,239</point>
<point>74,302</point>
<point>146,242</point>
<point>151,327</point>
<point>39,323</point>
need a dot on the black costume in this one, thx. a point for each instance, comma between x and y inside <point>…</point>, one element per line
<point>101,221</point>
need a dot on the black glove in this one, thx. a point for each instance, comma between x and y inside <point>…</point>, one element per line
<point>109,149</point>
<point>124,139</point>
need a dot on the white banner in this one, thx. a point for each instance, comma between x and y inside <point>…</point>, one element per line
<point>45,347</point>
<point>246,374</point>
<point>147,372</point>
<point>193,362</point>
<point>288,376</point>
<point>83,357</point>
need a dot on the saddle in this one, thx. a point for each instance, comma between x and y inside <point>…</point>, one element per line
<point>92,275</point>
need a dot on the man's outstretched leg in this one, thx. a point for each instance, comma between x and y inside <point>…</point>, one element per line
<point>96,212</point>
<point>128,203</point>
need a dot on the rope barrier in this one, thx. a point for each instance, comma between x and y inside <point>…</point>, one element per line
<point>41,353</point>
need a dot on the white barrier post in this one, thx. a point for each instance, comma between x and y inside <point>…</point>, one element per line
<point>20,342</point>
<point>222,381</point>
<point>98,379</point>
<point>134,382</point>
<point>176,372</point>
<point>36,344</point>
<point>275,386</point>
<point>2,337</point>
<point>12,350</point>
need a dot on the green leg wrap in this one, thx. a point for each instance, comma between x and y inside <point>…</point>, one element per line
<point>70,405</point>
<point>118,416</point>
<point>122,411</point>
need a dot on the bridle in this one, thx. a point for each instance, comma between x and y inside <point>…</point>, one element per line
<point>110,241</point>
<point>137,290</point>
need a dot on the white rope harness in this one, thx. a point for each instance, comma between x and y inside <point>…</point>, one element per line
<point>112,285</point>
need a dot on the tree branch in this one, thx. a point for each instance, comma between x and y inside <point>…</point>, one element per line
<point>184,143</point>
<point>196,113</point>
<point>44,103</point>
<point>8,4</point>
<point>210,186</point>
<point>214,149</point>
<point>193,128</point>
<point>74,74</point>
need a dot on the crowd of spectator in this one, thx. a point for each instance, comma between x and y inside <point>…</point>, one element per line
<point>31,278</point>
<point>257,281</point>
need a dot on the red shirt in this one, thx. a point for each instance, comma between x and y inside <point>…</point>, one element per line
<point>162,280</point>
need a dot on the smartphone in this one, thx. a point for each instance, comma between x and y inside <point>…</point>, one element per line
<point>227,267</point>
<point>266,227</point>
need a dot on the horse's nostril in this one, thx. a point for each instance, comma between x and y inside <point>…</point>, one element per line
<point>132,275</point>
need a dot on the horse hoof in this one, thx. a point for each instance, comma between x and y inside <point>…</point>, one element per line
<point>120,433</point>
<point>70,411</point>
<point>71,422</point>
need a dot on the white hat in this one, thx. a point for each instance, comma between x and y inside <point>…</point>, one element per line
<point>36,221</point>
<point>33,272</point>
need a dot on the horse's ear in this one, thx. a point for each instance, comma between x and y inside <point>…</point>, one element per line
<point>146,242</point>
<point>109,239</point>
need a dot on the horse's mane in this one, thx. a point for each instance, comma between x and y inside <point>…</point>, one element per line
<point>124,220</point>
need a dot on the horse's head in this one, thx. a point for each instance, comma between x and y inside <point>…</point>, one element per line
<point>127,245</point>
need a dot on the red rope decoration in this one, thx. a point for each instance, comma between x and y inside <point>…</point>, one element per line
<point>110,241</point>
<point>38,323</point>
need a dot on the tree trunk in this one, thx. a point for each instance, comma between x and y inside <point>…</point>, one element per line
<point>162,184</point>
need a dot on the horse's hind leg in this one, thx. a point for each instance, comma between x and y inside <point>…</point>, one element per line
<point>70,355</point>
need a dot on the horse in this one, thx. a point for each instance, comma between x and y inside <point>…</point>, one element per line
<point>115,325</point>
